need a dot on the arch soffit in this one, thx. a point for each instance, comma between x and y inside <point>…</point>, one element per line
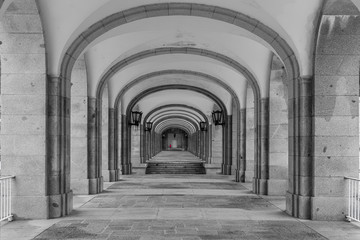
<point>143,78</point>
<point>161,88</point>
<point>160,116</point>
<point>175,122</point>
<point>161,128</point>
<point>280,46</point>
<point>152,112</point>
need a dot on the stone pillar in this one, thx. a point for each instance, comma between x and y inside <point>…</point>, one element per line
<point>264,146</point>
<point>242,150</point>
<point>206,143</point>
<point>58,148</point>
<point>79,108</point>
<point>250,138</point>
<point>210,131</point>
<point>227,146</point>
<point>94,176</point>
<point>125,164</point>
<point>278,155</point>
<point>117,148</point>
<point>113,173</point>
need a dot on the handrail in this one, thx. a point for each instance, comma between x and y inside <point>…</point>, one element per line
<point>353,199</point>
<point>5,198</point>
<point>6,177</point>
<point>355,179</point>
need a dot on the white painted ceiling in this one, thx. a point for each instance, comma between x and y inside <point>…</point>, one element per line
<point>63,21</point>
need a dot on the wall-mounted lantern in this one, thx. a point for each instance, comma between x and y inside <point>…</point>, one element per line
<point>218,117</point>
<point>148,126</point>
<point>135,118</point>
<point>203,126</point>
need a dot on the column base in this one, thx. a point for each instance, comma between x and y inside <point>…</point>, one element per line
<point>114,175</point>
<point>263,186</point>
<point>95,185</point>
<point>126,169</point>
<point>300,206</point>
<point>60,205</point>
<point>242,176</point>
<point>226,169</point>
<point>237,175</point>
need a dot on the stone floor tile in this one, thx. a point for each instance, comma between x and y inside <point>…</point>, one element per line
<point>198,207</point>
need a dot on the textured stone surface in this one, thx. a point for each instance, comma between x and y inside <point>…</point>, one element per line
<point>79,105</point>
<point>170,207</point>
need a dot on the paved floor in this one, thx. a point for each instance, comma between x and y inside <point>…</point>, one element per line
<point>178,207</point>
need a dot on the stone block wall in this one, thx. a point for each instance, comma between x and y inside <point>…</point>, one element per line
<point>235,149</point>
<point>105,135</point>
<point>23,113</point>
<point>250,127</point>
<point>336,122</point>
<point>217,151</point>
<point>79,103</point>
<point>135,145</point>
<point>278,154</point>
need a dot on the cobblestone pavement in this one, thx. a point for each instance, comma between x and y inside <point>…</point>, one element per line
<point>196,207</point>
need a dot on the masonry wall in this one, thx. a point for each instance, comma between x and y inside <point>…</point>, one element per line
<point>23,96</point>
<point>135,146</point>
<point>235,149</point>
<point>105,135</point>
<point>79,103</point>
<point>336,89</point>
<point>278,154</point>
<point>249,173</point>
<point>217,145</point>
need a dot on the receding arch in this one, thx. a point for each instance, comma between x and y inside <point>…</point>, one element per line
<point>241,20</point>
<point>174,105</point>
<point>176,71</point>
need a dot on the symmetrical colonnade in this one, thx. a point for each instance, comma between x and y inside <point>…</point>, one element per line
<point>295,135</point>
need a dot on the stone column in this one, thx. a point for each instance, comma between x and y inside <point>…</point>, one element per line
<point>240,173</point>
<point>58,147</point>
<point>125,166</point>
<point>94,176</point>
<point>111,157</point>
<point>242,151</point>
<point>207,145</point>
<point>227,146</point>
<point>264,146</point>
<point>210,131</point>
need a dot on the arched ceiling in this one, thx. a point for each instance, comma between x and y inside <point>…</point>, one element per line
<point>289,23</point>
<point>187,97</point>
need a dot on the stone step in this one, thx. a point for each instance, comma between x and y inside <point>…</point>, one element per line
<point>172,167</point>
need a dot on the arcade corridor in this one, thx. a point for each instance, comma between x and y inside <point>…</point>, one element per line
<point>259,98</point>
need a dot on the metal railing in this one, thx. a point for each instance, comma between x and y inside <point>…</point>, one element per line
<point>353,199</point>
<point>5,198</point>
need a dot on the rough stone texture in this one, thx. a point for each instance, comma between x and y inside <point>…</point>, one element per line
<point>336,141</point>
<point>79,183</point>
<point>105,135</point>
<point>278,153</point>
<point>135,145</point>
<point>23,97</point>
<point>217,148</point>
<point>158,207</point>
<point>249,174</point>
<point>235,149</point>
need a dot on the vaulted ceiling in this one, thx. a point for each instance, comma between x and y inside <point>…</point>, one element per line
<point>179,53</point>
